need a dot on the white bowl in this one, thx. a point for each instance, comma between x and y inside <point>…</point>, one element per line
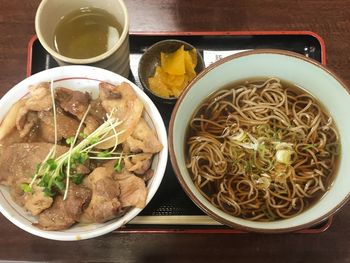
<point>289,66</point>
<point>82,78</point>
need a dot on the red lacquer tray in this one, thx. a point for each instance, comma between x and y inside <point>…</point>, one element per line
<point>170,210</point>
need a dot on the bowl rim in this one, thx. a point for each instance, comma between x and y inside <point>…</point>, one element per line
<point>173,158</point>
<point>89,73</point>
<point>159,43</point>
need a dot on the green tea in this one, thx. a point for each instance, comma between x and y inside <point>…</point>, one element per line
<point>86,33</point>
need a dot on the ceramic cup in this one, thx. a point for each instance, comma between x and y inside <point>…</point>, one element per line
<point>49,14</point>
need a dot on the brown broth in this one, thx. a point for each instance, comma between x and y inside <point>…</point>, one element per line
<point>286,85</point>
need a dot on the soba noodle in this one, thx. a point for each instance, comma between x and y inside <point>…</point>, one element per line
<point>262,151</point>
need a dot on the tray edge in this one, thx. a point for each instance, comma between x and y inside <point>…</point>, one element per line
<point>210,33</point>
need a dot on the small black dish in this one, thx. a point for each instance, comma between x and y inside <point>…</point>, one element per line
<point>151,59</point>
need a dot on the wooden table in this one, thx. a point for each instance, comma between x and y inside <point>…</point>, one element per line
<point>330,19</point>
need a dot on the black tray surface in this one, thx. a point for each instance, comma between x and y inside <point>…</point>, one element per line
<point>170,198</point>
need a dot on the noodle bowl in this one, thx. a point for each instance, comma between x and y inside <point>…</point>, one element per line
<point>264,167</point>
<point>262,150</point>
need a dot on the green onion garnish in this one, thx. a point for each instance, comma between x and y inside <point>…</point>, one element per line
<point>26,188</point>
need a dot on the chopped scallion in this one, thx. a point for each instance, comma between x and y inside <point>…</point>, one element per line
<point>118,167</point>
<point>104,154</point>
<point>333,148</point>
<point>82,135</point>
<point>59,184</point>
<point>52,165</point>
<point>26,188</point>
<point>77,178</point>
<point>70,140</point>
<point>47,191</point>
<point>283,156</point>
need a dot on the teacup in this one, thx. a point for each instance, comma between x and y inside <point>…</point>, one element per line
<point>51,12</point>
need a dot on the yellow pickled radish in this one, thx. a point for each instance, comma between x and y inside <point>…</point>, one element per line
<point>158,87</point>
<point>189,66</point>
<point>172,80</point>
<point>174,63</point>
<point>177,89</point>
<point>193,54</point>
<point>176,70</point>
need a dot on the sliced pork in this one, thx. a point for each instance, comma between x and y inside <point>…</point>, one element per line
<point>123,104</point>
<point>36,201</point>
<point>104,203</point>
<point>20,159</point>
<point>142,139</point>
<point>9,122</point>
<point>133,191</point>
<point>73,101</point>
<point>66,126</point>
<point>138,163</point>
<point>31,121</point>
<point>76,103</point>
<point>64,213</point>
<point>18,163</point>
<point>40,97</point>
<point>39,100</point>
